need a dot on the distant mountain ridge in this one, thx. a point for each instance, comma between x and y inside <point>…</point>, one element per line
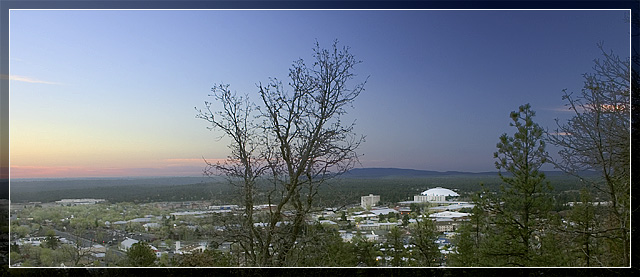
<point>401,172</point>
<point>375,172</point>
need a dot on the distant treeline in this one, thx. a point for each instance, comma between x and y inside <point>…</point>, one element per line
<point>395,189</point>
<point>36,185</point>
<point>337,192</point>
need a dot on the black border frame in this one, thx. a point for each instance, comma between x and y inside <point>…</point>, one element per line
<point>6,5</point>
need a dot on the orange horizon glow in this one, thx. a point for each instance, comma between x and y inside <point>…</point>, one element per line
<point>163,168</point>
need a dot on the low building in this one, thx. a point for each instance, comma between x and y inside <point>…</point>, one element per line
<point>448,221</point>
<point>127,243</point>
<point>383,210</point>
<point>404,210</point>
<point>199,214</point>
<point>140,220</point>
<point>453,207</point>
<point>449,214</point>
<point>371,226</point>
<point>224,207</point>
<point>190,248</point>
<point>151,225</point>
<point>330,222</point>
<point>445,225</point>
<point>35,241</point>
<point>75,202</point>
<point>348,237</point>
<point>98,250</point>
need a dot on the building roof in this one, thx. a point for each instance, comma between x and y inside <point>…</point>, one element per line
<point>448,214</point>
<point>127,243</point>
<point>456,206</point>
<point>439,192</point>
<point>383,211</point>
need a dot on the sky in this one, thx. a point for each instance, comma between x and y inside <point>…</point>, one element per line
<point>112,93</point>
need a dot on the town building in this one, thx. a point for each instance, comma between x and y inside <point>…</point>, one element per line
<point>366,202</point>
<point>448,221</point>
<point>75,202</point>
<point>348,237</point>
<point>190,248</point>
<point>435,195</point>
<point>127,243</point>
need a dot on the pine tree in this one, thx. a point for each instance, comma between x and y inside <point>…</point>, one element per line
<point>519,211</point>
<point>395,247</point>
<point>423,236</point>
<point>141,254</point>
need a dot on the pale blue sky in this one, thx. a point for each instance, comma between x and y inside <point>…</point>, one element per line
<point>113,92</point>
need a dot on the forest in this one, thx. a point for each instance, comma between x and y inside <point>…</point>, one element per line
<point>337,192</point>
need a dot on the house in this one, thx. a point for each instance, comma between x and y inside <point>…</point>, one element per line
<point>127,243</point>
<point>98,251</point>
<point>225,246</point>
<point>188,249</point>
<point>151,225</point>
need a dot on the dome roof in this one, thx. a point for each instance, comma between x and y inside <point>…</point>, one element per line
<point>440,191</point>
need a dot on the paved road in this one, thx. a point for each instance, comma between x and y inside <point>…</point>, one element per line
<point>88,243</point>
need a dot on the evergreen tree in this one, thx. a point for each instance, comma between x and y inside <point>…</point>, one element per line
<point>51,241</point>
<point>395,247</point>
<point>466,250</point>
<point>322,246</point>
<point>141,254</point>
<point>405,220</point>
<point>584,228</point>
<point>423,236</point>
<point>365,251</point>
<point>520,209</point>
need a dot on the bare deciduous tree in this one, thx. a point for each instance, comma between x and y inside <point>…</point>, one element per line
<point>296,142</point>
<point>597,138</point>
<point>244,165</point>
<point>76,250</point>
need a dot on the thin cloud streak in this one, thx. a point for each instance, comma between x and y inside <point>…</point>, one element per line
<point>564,109</point>
<point>27,79</point>
<point>191,162</point>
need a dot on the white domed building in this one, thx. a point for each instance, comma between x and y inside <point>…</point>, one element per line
<point>435,195</point>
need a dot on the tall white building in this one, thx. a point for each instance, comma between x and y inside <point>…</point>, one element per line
<point>369,201</point>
